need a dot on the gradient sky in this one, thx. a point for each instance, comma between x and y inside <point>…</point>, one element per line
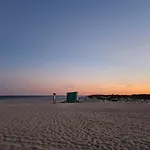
<point>90,46</point>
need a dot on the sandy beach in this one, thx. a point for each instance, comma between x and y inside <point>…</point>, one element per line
<point>41,125</point>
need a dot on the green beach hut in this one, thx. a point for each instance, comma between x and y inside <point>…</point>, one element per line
<point>72,97</point>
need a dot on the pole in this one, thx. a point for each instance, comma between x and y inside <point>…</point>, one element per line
<point>54,98</point>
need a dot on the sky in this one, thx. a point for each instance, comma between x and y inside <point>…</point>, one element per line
<point>89,46</point>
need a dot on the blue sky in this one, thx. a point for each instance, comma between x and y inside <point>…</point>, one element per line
<point>56,46</point>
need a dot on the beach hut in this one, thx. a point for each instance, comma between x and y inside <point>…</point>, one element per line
<point>72,97</point>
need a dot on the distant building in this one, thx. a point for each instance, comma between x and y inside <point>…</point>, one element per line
<point>72,97</point>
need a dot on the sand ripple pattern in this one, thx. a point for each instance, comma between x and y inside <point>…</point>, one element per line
<point>85,126</point>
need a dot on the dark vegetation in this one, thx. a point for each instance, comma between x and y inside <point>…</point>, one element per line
<point>130,98</point>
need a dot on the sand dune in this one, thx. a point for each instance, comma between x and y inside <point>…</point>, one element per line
<point>80,126</point>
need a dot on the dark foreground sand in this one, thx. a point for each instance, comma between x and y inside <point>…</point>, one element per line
<point>80,126</point>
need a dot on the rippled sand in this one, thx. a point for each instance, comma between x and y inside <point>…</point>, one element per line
<point>81,126</point>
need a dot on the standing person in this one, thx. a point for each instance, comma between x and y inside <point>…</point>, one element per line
<point>54,98</point>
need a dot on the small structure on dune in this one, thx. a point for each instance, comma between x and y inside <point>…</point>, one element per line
<point>72,97</point>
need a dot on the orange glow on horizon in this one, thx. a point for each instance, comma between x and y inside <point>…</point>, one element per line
<point>87,89</point>
<point>41,86</point>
